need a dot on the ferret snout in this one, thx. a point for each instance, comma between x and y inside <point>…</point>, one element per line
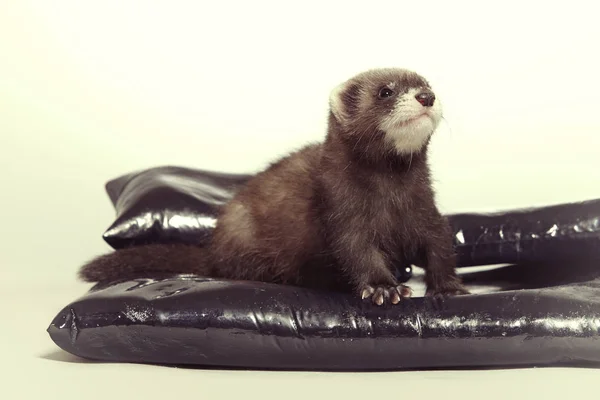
<point>426,98</point>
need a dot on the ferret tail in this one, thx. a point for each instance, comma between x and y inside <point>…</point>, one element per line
<point>146,260</point>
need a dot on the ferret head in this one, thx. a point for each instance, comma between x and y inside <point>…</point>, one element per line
<point>386,109</point>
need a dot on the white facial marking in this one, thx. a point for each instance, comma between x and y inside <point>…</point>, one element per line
<point>410,124</point>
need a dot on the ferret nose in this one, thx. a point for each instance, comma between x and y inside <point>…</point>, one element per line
<point>426,98</point>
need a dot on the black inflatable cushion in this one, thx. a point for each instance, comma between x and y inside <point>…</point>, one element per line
<point>543,310</point>
<point>173,204</point>
<point>214,323</point>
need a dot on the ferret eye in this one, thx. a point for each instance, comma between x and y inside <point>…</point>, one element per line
<point>385,92</point>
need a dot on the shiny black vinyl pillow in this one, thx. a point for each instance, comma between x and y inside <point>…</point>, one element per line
<point>179,205</point>
<point>543,310</point>
<point>552,319</point>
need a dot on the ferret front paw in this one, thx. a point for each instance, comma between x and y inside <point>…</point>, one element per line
<point>381,294</point>
<point>452,288</point>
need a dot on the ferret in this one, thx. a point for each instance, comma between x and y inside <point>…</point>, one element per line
<point>338,215</point>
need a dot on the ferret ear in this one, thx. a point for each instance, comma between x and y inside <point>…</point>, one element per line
<point>336,102</point>
<point>344,100</point>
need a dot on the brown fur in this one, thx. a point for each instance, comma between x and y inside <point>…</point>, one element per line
<point>337,215</point>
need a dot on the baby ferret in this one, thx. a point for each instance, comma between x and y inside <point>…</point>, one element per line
<point>339,215</point>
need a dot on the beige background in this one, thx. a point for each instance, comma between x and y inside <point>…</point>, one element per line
<point>91,90</point>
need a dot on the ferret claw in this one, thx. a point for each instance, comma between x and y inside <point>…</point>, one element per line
<point>380,294</point>
<point>367,292</point>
